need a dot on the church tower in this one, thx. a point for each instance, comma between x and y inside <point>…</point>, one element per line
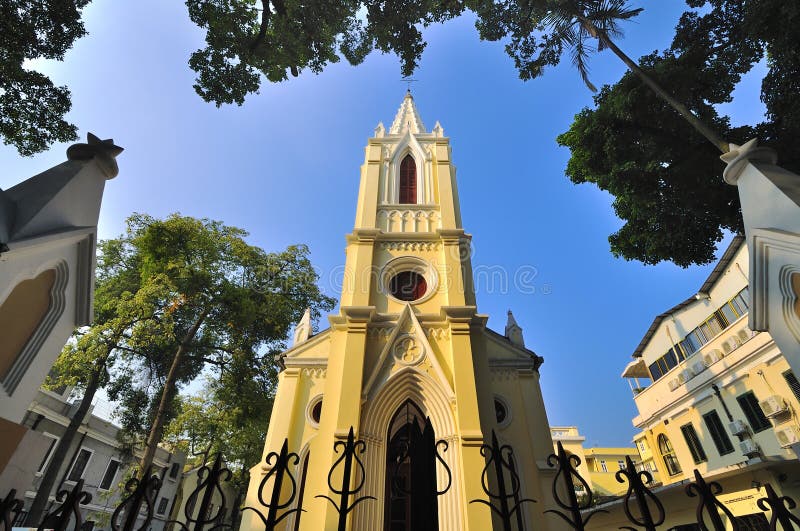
<point>408,344</point>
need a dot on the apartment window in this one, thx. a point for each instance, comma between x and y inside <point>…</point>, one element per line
<point>174,469</point>
<point>794,385</point>
<point>162,506</point>
<point>642,446</point>
<point>621,464</point>
<point>755,416</point>
<point>110,474</point>
<point>79,466</point>
<point>668,455</point>
<point>718,433</point>
<point>49,453</point>
<point>693,442</point>
<point>603,466</point>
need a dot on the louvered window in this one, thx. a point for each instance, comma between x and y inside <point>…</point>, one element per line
<point>794,385</point>
<point>408,181</point>
<point>693,442</point>
<point>718,433</point>
<point>755,416</point>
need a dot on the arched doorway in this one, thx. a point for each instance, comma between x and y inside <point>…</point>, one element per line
<point>410,490</point>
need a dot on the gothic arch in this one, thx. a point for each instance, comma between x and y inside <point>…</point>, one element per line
<point>48,320</point>
<point>379,409</point>
<point>408,145</point>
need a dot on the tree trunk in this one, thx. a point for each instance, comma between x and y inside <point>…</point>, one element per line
<point>682,109</point>
<point>36,512</point>
<point>157,428</point>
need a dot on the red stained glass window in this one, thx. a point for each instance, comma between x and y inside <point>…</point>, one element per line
<point>408,181</point>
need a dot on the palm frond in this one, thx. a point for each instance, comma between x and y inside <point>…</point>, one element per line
<point>580,56</point>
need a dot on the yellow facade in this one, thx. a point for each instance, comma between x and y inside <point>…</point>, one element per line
<point>726,405</point>
<point>434,350</point>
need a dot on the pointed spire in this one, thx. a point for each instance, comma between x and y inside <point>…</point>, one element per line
<point>302,330</point>
<point>407,118</point>
<point>514,331</point>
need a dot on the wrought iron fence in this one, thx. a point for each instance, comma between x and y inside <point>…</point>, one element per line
<point>278,493</point>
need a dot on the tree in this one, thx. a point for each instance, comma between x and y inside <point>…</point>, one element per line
<point>225,301</point>
<point>282,37</point>
<point>32,109</point>
<point>88,358</point>
<point>658,169</point>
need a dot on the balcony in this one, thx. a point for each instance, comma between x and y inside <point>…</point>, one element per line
<point>724,351</point>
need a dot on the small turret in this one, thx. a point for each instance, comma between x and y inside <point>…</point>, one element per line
<point>514,331</point>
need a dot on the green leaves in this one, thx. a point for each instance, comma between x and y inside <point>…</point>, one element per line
<point>32,109</point>
<point>246,39</point>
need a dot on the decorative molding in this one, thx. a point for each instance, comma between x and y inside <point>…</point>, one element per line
<point>31,349</point>
<point>411,246</point>
<point>314,372</point>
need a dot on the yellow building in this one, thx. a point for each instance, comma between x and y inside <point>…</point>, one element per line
<point>722,400</point>
<point>408,343</point>
<point>598,465</point>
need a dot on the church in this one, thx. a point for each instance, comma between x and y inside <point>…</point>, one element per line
<point>408,349</point>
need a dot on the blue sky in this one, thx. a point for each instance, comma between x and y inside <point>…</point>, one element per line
<point>285,166</point>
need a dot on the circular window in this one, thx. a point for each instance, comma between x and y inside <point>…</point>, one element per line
<point>409,279</point>
<point>500,411</point>
<point>408,286</point>
<point>314,411</point>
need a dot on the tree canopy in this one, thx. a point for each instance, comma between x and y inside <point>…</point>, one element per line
<point>666,183</point>
<point>32,108</point>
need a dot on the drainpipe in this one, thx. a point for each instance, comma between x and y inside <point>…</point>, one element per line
<point>721,401</point>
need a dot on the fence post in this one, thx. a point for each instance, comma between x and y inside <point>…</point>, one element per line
<point>10,508</point>
<point>141,491</point>
<point>708,502</point>
<point>494,455</point>
<point>279,470</point>
<point>350,450</point>
<point>637,486</point>
<point>566,469</point>
<point>780,507</point>
<point>70,502</point>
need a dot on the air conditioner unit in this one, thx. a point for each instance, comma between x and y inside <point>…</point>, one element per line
<point>749,448</point>
<point>738,427</point>
<point>744,335</point>
<point>685,375</point>
<point>726,347</point>
<point>673,384</point>
<point>773,405</point>
<point>698,367</point>
<point>788,436</point>
<point>712,357</point>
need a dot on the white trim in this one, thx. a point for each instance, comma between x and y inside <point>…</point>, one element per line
<point>100,484</point>
<point>504,403</point>
<point>50,452</point>
<point>309,411</point>
<point>41,333</point>
<point>75,461</point>
<point>410,263</point>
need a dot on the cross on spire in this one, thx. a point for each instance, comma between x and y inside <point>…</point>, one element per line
<point>408,81</point>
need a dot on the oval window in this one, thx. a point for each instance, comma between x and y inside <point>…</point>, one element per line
<point>408,286</point>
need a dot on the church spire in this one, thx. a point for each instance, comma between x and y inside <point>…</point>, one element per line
<point>407,118</point>
<point>514,331</point>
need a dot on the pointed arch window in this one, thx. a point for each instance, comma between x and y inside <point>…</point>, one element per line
<point>668,455</point>
<point>408,181</point>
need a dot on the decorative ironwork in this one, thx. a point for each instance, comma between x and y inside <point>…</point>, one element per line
<point>421,450</point>
<point>350,450</point>
<point>567,469</point>
<point>69,508</point>
<point>708,502</point>
<point>508,500</point>
<point>637,489</point>
<point>209,479</point>
<point>10,508</point>
<point>141,492</point>
<point>780,507</point>
<point>281,469</point>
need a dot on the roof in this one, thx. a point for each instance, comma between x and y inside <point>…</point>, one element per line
<point>720,268</point>
<point>407,118</point>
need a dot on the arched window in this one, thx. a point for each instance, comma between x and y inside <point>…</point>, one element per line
<point>408,181</point>
<point>668,455</point>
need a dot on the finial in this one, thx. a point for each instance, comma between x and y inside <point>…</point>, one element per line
<point>514,331</point>
<point>103,151</point>
<point>408,81</point>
